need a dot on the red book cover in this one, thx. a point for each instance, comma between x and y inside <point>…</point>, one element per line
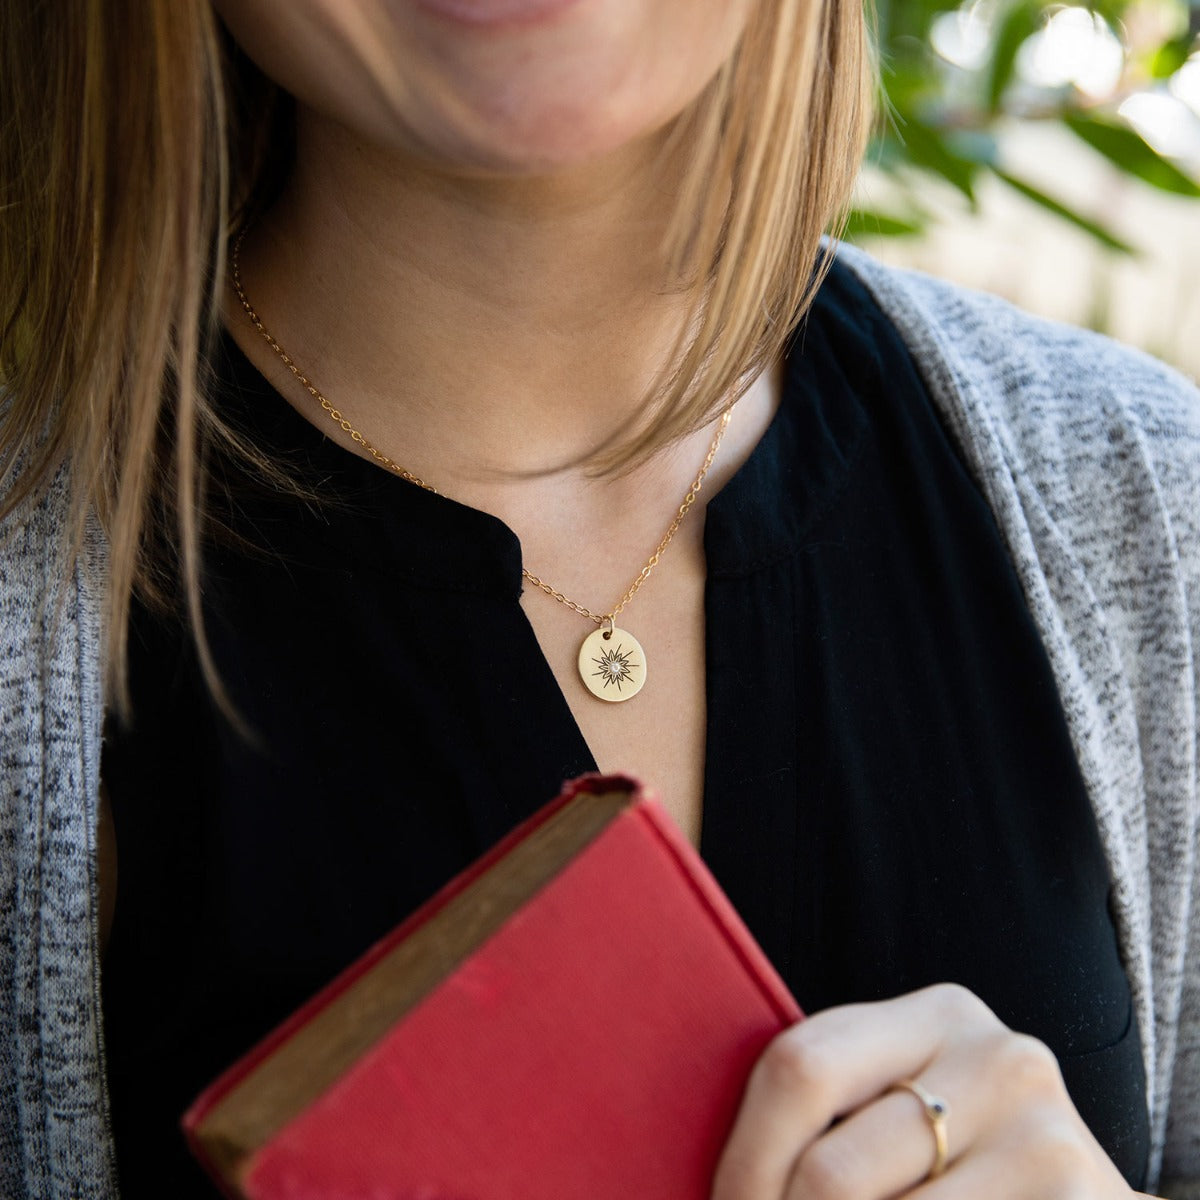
<point>592,1041</point>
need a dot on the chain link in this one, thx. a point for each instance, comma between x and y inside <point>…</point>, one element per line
<point>339,418</point>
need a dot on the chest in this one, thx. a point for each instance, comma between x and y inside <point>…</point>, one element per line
<point>659,733</point>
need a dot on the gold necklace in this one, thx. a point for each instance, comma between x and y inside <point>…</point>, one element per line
<point>608,672</point>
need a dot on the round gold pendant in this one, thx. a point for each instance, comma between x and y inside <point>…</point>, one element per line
<point>612,664</point>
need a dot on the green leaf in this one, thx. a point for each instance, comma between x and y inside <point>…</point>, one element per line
<point>1103,235</point>
<point>1019,21</point>
<point>1129,151</point>
<point>979,146</point>
<point>907,86</point>
<point>1170,56</point>
<point>1113,11</point>
<point>867,223</point>
<point>909,20</point>
<point>928,148</point>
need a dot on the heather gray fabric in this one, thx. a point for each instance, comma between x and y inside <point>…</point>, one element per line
<point>1090,457</point>
<point>54,1139</point>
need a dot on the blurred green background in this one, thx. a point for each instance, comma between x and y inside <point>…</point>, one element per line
<point>1064,138</point>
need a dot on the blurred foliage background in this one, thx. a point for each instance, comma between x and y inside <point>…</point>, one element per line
<point>1054,114</point>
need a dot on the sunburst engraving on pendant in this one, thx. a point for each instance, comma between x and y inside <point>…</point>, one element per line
<point>615,667</point>
<point>612,664</point>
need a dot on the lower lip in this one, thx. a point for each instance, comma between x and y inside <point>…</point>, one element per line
<point>497,14</point>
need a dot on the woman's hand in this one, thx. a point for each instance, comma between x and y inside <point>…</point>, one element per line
<point>825,1116</point>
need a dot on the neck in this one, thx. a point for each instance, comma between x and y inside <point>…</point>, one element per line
<point>475,327</point>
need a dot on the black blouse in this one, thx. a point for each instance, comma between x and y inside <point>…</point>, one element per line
<point>890,793</point>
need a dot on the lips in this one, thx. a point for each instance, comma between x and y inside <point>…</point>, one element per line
<point>496,13</point>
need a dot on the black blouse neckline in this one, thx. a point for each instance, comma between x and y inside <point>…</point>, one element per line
<point>758,516</point>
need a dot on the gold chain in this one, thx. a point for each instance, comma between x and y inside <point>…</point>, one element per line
<point>341,420</point>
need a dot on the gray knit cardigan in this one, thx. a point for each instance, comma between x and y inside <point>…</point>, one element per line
<point>1089,455</point>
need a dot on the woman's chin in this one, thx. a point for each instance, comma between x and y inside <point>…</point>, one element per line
<point>527,135</point>
<point>537,85</point>
<point>512,86</point>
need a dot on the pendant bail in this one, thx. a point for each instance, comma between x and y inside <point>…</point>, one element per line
<point>612,624</point>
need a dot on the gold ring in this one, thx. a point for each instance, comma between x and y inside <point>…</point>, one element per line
<point>936,1112</point>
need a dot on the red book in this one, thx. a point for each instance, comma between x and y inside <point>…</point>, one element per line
<point>574,1016</point>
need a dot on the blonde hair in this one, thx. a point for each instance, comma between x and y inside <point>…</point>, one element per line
<point>136,140</point>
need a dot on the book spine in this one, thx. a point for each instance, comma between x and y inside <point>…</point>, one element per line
<point>593,782</point>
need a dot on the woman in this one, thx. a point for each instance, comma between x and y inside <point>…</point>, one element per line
<point>916,651</point>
